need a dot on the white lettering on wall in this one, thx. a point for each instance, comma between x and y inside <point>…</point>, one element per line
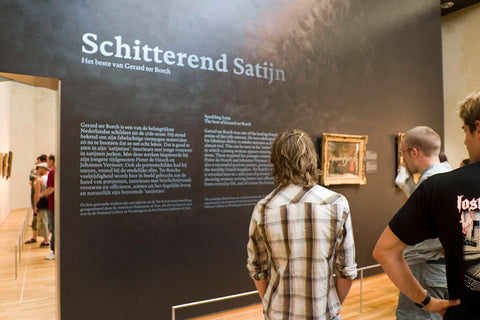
<point>118,47</point>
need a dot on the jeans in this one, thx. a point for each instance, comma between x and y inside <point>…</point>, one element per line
<point>432,277</point>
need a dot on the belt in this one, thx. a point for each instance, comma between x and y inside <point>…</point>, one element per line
<point>439,261</point>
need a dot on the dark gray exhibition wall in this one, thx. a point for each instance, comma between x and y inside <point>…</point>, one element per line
<point>167,112</point>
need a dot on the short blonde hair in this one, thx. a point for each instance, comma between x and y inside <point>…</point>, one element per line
<point>294,159</point>
<point>423,138</point>
<point>469,109</point>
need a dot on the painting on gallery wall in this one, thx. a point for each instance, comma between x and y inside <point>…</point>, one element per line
<point>9,165</point>
<point>400,156</point>
<point>343,159</point>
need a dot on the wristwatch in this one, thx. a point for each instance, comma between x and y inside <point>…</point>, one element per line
<point>424,303</point>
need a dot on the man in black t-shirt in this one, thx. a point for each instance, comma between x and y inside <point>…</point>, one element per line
<point>446,206</point>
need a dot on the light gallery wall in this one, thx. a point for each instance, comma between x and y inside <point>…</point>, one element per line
<point>461,73</point>
<point>27,129</point>
<point>5,98</point>
<point>167,113</point>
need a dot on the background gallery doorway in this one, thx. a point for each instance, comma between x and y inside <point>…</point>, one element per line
<point>29,108</point>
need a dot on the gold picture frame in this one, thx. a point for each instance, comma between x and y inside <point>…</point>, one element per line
<point>343,159</point>
<point>399,139</point>
<point>399,149</point>
<point>9,169</point>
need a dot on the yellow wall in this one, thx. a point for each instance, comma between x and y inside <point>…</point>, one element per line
<point>461,72</point>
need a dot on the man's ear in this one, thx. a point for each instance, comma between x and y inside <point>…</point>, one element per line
<point>477,127</point>
<point>414,152</point>
<point>477,124</point>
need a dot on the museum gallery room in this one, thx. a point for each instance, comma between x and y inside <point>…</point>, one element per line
<point>158,119</point>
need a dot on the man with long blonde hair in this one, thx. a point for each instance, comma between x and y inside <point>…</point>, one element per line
<point>300,235</point>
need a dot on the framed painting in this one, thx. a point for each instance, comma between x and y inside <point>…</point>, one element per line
<point>9,168</point>
<point>343,159</point>
<point>399,158</point>
<point>399,150</point>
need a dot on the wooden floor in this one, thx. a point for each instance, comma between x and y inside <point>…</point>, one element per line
<point>32,295</point>
<point>379,302</point>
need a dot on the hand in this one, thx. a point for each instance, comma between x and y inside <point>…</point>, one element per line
<point>36,209</point>
<point>440,305</point>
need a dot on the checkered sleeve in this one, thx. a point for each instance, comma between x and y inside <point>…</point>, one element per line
<point>258,263</point>
<point>345,264</point>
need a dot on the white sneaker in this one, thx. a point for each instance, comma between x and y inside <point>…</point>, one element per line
<point>50,256</point>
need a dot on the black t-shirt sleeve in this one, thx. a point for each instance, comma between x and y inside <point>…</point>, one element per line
<point>411,223</point>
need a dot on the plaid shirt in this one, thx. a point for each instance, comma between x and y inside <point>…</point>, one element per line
<point>298,238</point>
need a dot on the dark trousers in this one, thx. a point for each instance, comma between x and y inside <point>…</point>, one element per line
<point>51,228</point>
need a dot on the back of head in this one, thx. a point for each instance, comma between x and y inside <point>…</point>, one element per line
<point>294,159</point>
<point>42,169</point>
<point>425,139</point>
<point>42,158</point>
<point>470,109</point>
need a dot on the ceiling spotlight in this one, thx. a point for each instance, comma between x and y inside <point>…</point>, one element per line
<point>447,5</point>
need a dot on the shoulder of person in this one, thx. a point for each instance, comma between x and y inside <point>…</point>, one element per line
<point>447,176</point>
<point>330,197</point>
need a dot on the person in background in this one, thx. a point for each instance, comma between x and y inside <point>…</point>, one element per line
<point>465,162</point>
<point>32,177</point>
<point>50,193</point>
<point>442,156</point>
<point>41,211</point>
<point>444,206</point>
<point>299,236</point>
<point>420,148</point>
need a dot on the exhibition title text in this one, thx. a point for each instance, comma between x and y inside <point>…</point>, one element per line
<point>138,52</point>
